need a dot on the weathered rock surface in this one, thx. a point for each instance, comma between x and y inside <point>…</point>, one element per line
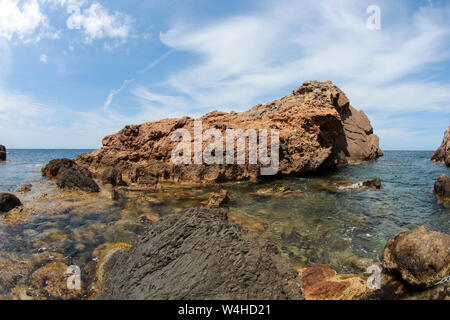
<point>199,254</point>
<point>69,175</point>
<point>318,129</point>
<point>421,257</point>
<point>321,282</point>
<point>8,202</point>
<point>442,187</point>
<point>442,154</point>
<point>2,153</point>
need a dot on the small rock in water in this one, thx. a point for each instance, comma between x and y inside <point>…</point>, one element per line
<point>442,187</point>
<point>8,202</point>
<point>375,183</point>
<point>2,153</point>
<point>217,199</point>
<point>26,188</point>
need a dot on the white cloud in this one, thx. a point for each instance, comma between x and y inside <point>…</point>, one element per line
<point>245,58</point>
<point>43,58</point>
<point>97,23</point>
<point>20,20</point>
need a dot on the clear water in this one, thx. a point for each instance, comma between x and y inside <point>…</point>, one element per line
<point>24,166</point>
<point>319,224</point>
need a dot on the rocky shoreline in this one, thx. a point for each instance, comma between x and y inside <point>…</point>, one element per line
<point>200,251</point>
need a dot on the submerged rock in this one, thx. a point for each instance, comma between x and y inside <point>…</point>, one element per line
<point>199,254</point>
<point>321,282</point>
<point>442,154</point>
<point>2,153</point>
<point>26,188</point>
<point>69,175</point>
<point>8,202</point>
<point>217,199</point>
<point>420,257</point>
<point>50,282</point>
<point>442,187</point>
<point>318,128</point>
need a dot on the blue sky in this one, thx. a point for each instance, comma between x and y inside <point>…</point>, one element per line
<point>74,71</point>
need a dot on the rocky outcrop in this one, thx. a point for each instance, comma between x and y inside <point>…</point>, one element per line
<point>442,188</point>
<point>321,282</point>
<point>69,175</point>
<point>420,257</point>
<point>442,154</point>
<point>199,254</point>
<point>8,202</point>
<point>2,153</point>
<point>318,129</point>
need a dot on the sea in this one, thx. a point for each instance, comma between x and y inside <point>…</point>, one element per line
<point>324,223</point>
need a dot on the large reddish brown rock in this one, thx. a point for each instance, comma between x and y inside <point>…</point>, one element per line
<point>421,257</point>
<point>318,129</point>
<point>442,154</point>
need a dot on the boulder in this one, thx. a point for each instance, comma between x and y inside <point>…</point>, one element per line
<point>8,202</point>
<point>2,153</point>
<point>69,175</point>
<point>321,282</point>
<point>199,254</point>
<point>420,257</point>
<point>442,154</point>
<point>442,187</point>
<point>112,176</point>
<point>75,179</point>
<point>318,129</point>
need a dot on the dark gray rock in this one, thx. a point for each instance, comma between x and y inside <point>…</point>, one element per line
<point>2,153</point>
<point>75,179</point>
<point>8,202</point>
<point>69,175</point>
<point>199,254</point>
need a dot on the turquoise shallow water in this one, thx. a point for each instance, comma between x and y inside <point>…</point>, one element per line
<point>317,225</point>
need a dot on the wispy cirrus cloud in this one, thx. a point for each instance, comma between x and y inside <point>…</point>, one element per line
<point>250,58</point>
